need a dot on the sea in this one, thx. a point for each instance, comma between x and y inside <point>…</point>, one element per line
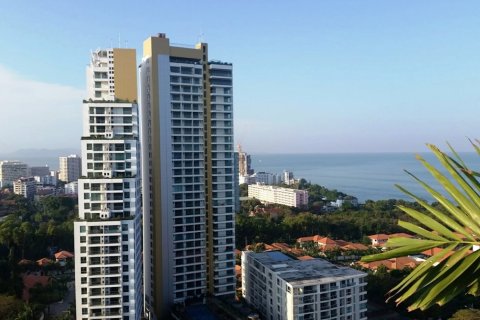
<point>367,176</point>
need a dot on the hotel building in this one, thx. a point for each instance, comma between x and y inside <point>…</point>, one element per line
<point>272,194</point>
<point>188,175</point>
<point>108,234</point>
<point>281,287</point>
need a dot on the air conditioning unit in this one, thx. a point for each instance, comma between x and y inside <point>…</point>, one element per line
<point>105,213</point>
<point>107,173</point>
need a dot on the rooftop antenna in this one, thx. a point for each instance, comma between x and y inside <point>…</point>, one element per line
<point>119,42</point>
<point>126,44</point>
<point>201,37</point>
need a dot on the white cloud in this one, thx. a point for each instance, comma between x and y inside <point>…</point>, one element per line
<point>35,114</point>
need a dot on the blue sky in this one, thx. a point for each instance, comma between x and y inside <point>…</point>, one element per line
<point>309,76</point>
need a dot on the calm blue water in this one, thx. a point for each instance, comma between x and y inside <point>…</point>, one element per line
<point>365,176</point>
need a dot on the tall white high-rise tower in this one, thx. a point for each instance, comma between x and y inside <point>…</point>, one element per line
<point>188,175</point>
<point>108,234</point>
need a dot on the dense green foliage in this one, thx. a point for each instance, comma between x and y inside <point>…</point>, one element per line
<point>317,192</point>
<point>29,231</point>
<point>286,225</point>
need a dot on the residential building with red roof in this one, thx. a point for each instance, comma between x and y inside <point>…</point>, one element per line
<point>62,257</point>
<point>44,262</point>
<point>379,240</point>
<point>391,264</point>
<point>326,243</point>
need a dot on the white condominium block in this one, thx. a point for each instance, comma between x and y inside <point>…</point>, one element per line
<point>272,194</point>
<point>283,288</point>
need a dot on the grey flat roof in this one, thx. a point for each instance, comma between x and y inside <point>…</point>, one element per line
<point>305,272</point>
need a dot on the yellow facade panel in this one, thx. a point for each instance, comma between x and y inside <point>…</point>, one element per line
<point>161,46</point>
<point>125,74</point>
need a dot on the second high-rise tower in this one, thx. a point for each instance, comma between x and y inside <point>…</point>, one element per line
<point>188,175</point>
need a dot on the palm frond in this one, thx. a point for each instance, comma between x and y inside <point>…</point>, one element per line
<point>456,230</point>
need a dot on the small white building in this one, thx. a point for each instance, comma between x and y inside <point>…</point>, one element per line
<point>25,187</point>
<point>347,200</point>
<point>273,194</point>
<point>281,287</point>
<point>71,188</point>
<point>246,179</point>
<point>46,180</point>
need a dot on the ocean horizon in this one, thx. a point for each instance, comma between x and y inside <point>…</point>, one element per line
<point>367,176</point>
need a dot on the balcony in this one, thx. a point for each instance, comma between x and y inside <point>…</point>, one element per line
<point>309,299</point>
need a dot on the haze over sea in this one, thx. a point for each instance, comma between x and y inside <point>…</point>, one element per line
<point>365,176</point>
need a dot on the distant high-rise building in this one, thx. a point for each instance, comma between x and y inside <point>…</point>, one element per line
<point>11,171</point>
<point>108,234</point>
<point>288,177</point>
<point>25,186</point>
<point>70,168</point>
<point>39,171</point>
<point>244,163</point>
<point>188,175</point>
<point>266,178</point>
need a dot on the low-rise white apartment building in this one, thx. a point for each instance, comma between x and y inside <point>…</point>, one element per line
<point>272,194</point>
<point>25,187</point>
<point>71,188</point>
<point>281,287</point>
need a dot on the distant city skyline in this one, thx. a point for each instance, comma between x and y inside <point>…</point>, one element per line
<point>349,76</point>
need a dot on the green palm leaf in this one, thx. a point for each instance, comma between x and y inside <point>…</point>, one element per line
<point>456,229</point>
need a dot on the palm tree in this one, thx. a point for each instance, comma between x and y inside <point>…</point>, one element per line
<point>454,227</point>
